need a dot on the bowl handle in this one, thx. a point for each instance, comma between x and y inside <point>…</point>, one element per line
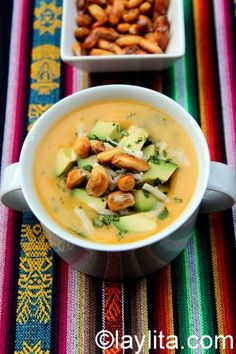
<point>221,189</point>
<point>11,193</point>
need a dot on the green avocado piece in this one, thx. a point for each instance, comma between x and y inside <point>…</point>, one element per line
<point>65,159</point>
<point>85,198</point>
<point>161,170</point>
<point>102,130</point>
<point>149,151</point>
<point>135,138</point>
<point>135,223</point>
<point>144,201</point>
<point>88,161</point>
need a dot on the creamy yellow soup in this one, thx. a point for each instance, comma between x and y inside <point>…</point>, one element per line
<point>58,201</point>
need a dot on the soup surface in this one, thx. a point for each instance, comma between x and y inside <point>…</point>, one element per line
<point>73,212</point>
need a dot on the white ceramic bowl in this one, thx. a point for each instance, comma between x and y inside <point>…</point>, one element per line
<point>174,51</point>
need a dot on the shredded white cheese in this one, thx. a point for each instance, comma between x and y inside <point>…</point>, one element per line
<point>101,210</point>
<point>154,191</point>
<point>87,224</point>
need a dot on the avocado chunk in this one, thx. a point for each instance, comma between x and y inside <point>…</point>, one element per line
<point>65,159</point>
<point>85,198</point>
<point>87,163</point>
<point>135,223</point>
<point>102,130</point>
<point>144,201</point>
<point>149,151</point>
<point>135,138</point>
<point>161,170</point>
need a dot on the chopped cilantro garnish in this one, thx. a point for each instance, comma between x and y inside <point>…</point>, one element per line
<point>157,181</point>
<point>120,234</point>
<point>146,193</point>
<point>131,115</point>
<point>163,214</point>
<point>155,160</point>
<point>104,220</point>
<point>88,168</point>
<point>178,200</point>
<point>122,131</point>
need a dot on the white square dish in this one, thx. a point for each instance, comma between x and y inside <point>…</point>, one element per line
<point>130,62</point>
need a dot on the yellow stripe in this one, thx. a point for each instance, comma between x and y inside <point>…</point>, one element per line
<point>216,279</point>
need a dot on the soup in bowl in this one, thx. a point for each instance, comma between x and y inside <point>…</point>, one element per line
<point>115,171</point>
<point>116,175</point>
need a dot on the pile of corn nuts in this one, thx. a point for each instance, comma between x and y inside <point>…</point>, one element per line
<point>118,27</point>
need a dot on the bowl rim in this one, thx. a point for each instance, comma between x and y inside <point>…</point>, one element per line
<point>27,159</point>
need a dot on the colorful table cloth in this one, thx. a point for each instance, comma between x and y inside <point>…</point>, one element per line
<point>46,306</point>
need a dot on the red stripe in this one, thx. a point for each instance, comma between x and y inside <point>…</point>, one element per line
<point>11,234</point>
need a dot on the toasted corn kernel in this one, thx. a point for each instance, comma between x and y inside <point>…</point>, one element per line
<point>98,2</point>
<point>84,20</point>
<point>76,48</point>
<point>75,178</point>
<point>116,11</point>
<point>82,146</point>
<point>108,9</point>
<point>145,7</point>
<point>98,182</point>
<point>109,34</point>
<point>162,23</point>
<point>103,44</point>
<point>81,32</point>
<point>162,39</point>
<point>97,51</point>
<point>161,6</point>
<point>130,162</point>
<point>123,27</point>
<point>97,12</point>
<point>150,46</point>
<point>131,49</point>
<point>97,146</point>
<point>107,155</point>
<point>136,28</point>
<point>145,22</point>
<point>128,40</point>
<point>91,40</point>
<point>126,183</point>
<point>131,15</point>
<point>120,200</point>
<point>140,51</point>
<point>132,3</point>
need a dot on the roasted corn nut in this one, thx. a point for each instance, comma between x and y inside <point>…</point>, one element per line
<point>97,146</point>
<point>75,177</point>
<point>129,4</point>
<point>107,155</point>
<point>82,146</point>
<point>76,48</point>
<point>131,15</point>
<point>120,200</point>
<point>161,6</point>
<point>81,32</point>
<point>116,11</point>
<point>145,7</point>
<point>123,27</point>
<point>98,51</point>
<point>98,13</point>
<point>106,45</point>
<point>91,40</point>
<point>130,162</point>
<point>84,20</point>
<point>98,182</point>
<point>126,183</point>
<point>150,46</point>
<point>109,34</point>
<point>128,40</point>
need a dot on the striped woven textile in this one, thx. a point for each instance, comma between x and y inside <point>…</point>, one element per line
<point>46,306</point>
